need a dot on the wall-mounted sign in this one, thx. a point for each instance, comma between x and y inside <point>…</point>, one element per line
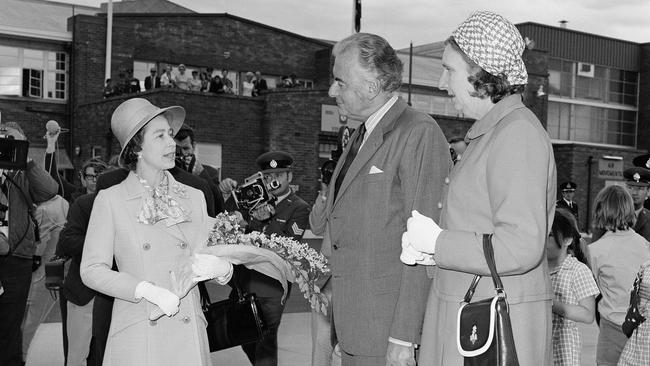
<point>610,167</point>
<point>331,120</point>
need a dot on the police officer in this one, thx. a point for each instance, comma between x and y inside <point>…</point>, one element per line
<point>643,161</point>
<point>637,180</point>
<point>287,216</point>
<point>568,190</point>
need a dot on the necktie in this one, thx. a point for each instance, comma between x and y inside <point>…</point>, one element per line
<point>354,149</point>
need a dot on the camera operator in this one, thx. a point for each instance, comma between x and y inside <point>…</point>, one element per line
<point>22,190</point>
<point>186,160</point>
<point>287,216</point>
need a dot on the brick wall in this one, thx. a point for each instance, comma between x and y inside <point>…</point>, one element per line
<point>196,39</point>
<point>32,116</point>
<point>572,162</point>
<point>234,122</point>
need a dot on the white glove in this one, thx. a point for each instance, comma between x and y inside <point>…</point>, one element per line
<point>206,266</point>
<point>411,256</point>
<point>422,232</point>
<point>166,300</point>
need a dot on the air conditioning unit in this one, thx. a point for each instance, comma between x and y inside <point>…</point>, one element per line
<point>586,70</point>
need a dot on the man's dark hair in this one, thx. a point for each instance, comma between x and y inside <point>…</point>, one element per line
<point>454,140</point>
<point>184,133</point>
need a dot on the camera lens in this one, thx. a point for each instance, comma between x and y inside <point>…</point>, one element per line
<point>274,184</point>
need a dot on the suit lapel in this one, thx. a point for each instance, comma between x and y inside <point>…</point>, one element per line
<point>370,147</point>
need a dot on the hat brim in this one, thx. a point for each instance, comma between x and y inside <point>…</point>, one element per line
<point>175,116</point>
<point>641,161</point>
<point>276,170</point>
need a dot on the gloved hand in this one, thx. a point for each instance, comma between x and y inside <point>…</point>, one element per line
<point>227,185</point>
<point>166,300</point>
<point>206,267</point>
<point>411,256</point>
<point>422,232</point>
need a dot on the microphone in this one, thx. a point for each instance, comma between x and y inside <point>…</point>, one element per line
<point>53,128</point>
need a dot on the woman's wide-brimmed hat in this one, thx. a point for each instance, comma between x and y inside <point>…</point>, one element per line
<point>130,116</point>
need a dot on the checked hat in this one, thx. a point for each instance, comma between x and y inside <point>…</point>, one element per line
<point>494,44</point>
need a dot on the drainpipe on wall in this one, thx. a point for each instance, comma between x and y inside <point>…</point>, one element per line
<point>590,162</point>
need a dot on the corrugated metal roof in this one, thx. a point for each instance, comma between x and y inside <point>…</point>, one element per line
<point>39,19</point>
<point>584,47</point>
<point>426,70</point>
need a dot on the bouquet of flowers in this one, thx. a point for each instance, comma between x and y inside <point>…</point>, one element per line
<point>299,262</point>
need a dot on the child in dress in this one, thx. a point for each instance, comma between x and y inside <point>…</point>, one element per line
<point>637,348</point>
<point>574,288</point>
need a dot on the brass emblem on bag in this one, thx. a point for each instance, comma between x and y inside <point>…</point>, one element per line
<point>473,337</point>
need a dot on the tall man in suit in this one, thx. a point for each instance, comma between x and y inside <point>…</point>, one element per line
<point>152,81</point>
<point>395,162</point>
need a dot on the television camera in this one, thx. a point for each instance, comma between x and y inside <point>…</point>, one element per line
<point>255,191</point>
<point>13,153</point>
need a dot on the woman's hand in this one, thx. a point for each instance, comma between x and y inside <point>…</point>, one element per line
<point>166,300</point>
<point>411,256</point>
<point>422,232</point>
<point>206,267</point>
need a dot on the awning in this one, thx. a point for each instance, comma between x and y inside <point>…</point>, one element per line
<point>38,155</point>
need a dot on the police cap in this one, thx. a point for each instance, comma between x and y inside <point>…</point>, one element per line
<point>642,161</point>
<point>568,187</point>
<point>637,176</point>
<point>274,161</point>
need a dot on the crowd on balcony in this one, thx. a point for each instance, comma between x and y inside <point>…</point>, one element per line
<point>205,80</point>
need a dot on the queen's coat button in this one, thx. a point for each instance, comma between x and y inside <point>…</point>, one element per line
<point>446,180</point>
<point>146,246</point>
<point>183,245</point>
<point>439,204</point>
<point>186,319</point>
<point>153,323</point>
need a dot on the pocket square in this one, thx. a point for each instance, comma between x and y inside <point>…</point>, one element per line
<point>375,170</point>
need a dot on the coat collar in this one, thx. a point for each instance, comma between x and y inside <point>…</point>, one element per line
<point>496,114</point>
<point>369,148</point>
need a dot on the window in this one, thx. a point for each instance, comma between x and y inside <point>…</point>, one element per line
<point>585,123</point>
<point>33,73</point>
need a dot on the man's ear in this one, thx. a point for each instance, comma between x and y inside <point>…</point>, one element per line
<point>289,177</point>
<point>374,88</point>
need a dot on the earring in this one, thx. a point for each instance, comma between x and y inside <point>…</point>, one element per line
<point>139,155</point>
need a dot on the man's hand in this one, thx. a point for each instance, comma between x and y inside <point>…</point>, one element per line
<point>198,167</point>
<point>52,137</point>
<point>263,212</point>
<point>227,186</point>
<point>398,355</point>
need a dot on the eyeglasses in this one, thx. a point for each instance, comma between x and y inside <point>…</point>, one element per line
<point>90,176</point>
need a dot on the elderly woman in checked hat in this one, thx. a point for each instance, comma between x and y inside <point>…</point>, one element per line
<point>148,223</point>
<point>505,185</point>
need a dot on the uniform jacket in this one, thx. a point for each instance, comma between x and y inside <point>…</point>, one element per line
<point>71,243</point>
<point>291,219</point>
<point>505,184</point>
<point>145,253</point>
<point>401,167</point>
<point>37,186</point>
<point>561,203</point>
<point>642,226</point>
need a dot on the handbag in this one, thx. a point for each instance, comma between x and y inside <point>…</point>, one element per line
<point>633,317</point>
<point>484,330</point>
<point>232,322</point>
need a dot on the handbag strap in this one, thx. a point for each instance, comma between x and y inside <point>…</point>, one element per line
<point>205,297</point>
<point>488,251</point>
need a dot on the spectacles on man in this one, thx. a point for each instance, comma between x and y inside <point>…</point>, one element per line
<point>90,176</point>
